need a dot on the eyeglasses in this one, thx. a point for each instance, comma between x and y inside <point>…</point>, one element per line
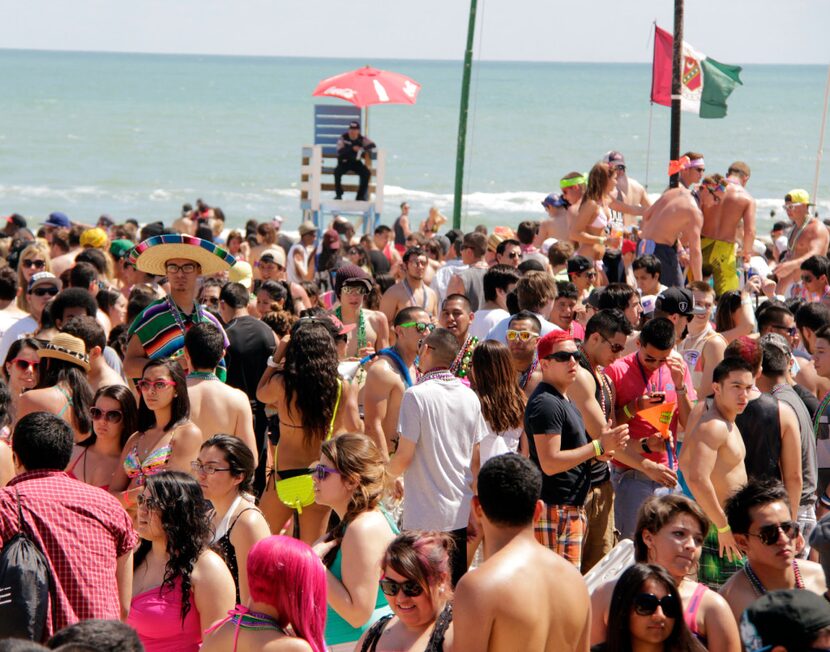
<point>47,291</point>
<point>563,356</point>
<point>353,289</point>
<point>187,268</point>
<point>147,502</point>
<point>523,336</point>
<point>418,325</point>
<point>410,588</point>
<point>645,604</point>
<point>155,385</point>
<point>768,534</point>
<point>111,416</point>
<point>320,472</point>
<point>22,364</point>
<point>790,330</point>
<point>615,348</point>
<point>207,469</point>
<point>38,264</point>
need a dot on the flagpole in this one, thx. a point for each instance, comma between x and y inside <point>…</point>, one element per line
<point>462,119</point>
<point>648,147</point>
<point>820,153</point>
<point>677,58</point>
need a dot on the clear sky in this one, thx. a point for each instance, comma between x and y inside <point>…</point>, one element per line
<point>741,31</point>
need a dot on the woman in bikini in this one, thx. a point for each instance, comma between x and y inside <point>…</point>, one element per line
<point>670,533</point>
<point>590,229</point>
<point>62,387</point>
<point>313,405</point>
<point>166,438</point>
<point>114,419</point>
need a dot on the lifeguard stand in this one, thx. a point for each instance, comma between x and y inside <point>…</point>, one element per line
<point>317,172</point>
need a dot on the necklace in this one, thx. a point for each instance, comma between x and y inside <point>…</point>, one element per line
<point>361,326</point>
<point>795,236</point>
<point>436,374</point>
<point>203,375</point>
<point>461,365</point>
<point>760,589</point>
<point>412,294</point>
<point>820,413</point>
<point>528,373</point>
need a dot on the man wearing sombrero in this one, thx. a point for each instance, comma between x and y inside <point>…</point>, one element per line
<point>158,332</point>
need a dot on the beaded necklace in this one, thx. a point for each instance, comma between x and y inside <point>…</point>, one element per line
<point>461,365</point>
<point>437,374</point>
<point>203,375</point>
<point>760,589</point>
<point>528,373</point>
<point>361,326</point>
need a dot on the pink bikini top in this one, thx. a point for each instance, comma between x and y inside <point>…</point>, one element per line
<point>156,616</point>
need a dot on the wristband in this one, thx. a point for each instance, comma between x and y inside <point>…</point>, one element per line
<point>271,362</point>
<point>724,529</point>
<point>598,450</point>
<point>644,446</point>
<point>627,411</point>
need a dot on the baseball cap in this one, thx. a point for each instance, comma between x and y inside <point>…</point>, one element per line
<point>273,255</point>
<point>120,247</point>
<point>242,273</point>
<point>790,618</point>
<point>307,227</point>
<point>578,264</point>
<point>554,199</point>
<point>44,278</point>
<point>351,275</point>
<point>342,328</point>
<point>331,239</point>
<point>614,158</point>
<point>677,301</point>
<point>95,238</point>
<point>58,220</point>
<point>354,124</point>
<point>18,220</point>
<point>798,196</point>
<point>545,344</point>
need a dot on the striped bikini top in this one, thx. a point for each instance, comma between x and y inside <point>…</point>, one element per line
<point>154,463</point>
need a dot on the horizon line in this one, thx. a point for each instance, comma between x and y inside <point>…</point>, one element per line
<point>358,57</point>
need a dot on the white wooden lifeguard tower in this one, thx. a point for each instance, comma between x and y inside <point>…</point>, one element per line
<point>317,173</point>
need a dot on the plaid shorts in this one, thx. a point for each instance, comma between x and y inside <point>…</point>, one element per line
<point>562,529</point>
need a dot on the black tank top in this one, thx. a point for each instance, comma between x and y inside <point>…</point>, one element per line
<point>760,428</point>
<point>400,237</point>
<point>599,470</point>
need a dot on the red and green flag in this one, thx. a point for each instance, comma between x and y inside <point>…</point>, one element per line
<point>705,83</point>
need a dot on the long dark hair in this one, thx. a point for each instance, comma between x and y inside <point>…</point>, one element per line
<point>239,457</point>
<point>310,378</point>
<point>16,347</point>
<point>728,303</point>
<point>129,412</point>
<point>184,517</point>
<point>179,409</point>
<point>629,585</point>
<point>52,371</point>
<point>502,400</point>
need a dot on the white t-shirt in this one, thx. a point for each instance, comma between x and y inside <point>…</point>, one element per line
<point>8,318</point>
<point>485,320</point>
<point>495,444</point>
<point>443,419</point>
<point>443,277</point>
<point>17,330</point>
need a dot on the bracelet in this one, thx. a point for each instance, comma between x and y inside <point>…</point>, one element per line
<point>824,500</point>
<point>680,390</point>
<point>627,411</point>
<point>598,450</point>
<point>724,529</point>
<point>271,362</point>
<point>644,446</point>
<point>602,239</point>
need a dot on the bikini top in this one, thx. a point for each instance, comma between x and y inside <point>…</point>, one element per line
<point>601,220</point>
<point>71,470</point>
<point>155,462</point>
<point>66,405</point>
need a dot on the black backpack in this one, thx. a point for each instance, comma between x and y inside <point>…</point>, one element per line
<point>24,586</point>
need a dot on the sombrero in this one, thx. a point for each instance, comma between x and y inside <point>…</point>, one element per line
<point>66,347</point>
<point>151,255</point>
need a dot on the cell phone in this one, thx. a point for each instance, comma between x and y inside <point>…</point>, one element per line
<point>660,396</point>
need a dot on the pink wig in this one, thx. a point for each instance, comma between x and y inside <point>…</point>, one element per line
<point>286,574</point>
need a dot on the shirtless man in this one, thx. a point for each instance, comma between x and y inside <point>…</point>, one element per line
<point>808,237</point>
<point>523,331</point>
<point>629,191</point>
<point>718,237</point>
<point>88,329</point>
<point>390,374</point>
<point>763,527</point>
<point>712,457</point>
<point>674,216</point>
<point>411,291</point>
<point>558,224</point>
<point>351,285</point>
<point>216,408</point>
<point>491,602</point>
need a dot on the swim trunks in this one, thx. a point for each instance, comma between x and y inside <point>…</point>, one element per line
<point>670,274</point>
<point>714,569</point>
<point>721,256</point>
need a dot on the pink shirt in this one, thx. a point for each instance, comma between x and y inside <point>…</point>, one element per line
<point>631,381</point>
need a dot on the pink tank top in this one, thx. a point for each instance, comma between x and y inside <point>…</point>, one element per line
<point>156,616</point>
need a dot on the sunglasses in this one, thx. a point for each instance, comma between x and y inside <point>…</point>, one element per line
<point>207,469</point>
<point>353,289</point>
<point>619,168</point>
<point>790,330</point>
<point>615,348</point>
<point>111,416</point>
<point>187,268</point>
<point>523,336</point>
<point>210,301</point>
<point>514,255</point>
<point>410,588</point>
<point>42,292</point>
<point>590,274</point>
<point>768,534</point>
<point>28,262</point>
<point>418,325</point>
<point>24,365</point>
<point>645,604</point>
<point>320,472</point>
<point>563,356</point>
<point>156,385</point>
<point>147,502</point>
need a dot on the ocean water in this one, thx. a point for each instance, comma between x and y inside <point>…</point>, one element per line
<point>139,135</point>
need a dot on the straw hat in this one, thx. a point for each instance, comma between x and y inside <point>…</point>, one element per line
<point>151,255</point>
<point>66,347</point>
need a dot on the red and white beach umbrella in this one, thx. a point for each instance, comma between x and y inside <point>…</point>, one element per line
<point>366,86</point>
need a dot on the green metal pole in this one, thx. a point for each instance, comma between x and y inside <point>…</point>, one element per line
<point>462,118</point>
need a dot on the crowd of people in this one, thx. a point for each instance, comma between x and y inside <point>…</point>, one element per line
<point>414,439</point>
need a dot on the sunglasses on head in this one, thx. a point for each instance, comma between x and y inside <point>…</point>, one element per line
<point>645,604</point>
<point>38,264</point>
<point>51,291</point>
<point>563,356</point>
<point>768,534</point>
<point>24,365</point>
<point>111,416</point>
<point>418,325</point>
<point>320,472</point>
<point>410,588</point>
<point>523,336</point>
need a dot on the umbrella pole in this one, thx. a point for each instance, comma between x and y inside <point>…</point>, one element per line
<point>462,119</point>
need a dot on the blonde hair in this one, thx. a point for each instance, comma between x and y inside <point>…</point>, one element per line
<point>39,248</point>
